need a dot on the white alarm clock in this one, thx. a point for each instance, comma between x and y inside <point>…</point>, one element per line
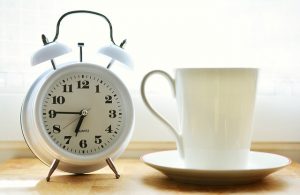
<point>77,117</point>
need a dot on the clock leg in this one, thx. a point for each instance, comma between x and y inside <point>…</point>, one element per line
<point>52,169</point>
<point>112,167</point>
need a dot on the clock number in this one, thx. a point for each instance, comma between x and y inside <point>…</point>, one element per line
<point>68,138</point>
<point>112,114</point>
<point>58,100</point>
<point>108,129</point>
<point>56,129</point>
<point>108,99</point>
<point>97,89</point>
<point>83,143</point>
<point>98,139</point>
<point>68,88</point>
<point>83,84</point>
<point>52,113</point>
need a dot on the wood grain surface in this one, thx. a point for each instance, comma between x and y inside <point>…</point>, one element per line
<point>27,176</point>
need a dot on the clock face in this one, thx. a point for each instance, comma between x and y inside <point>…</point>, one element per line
<point>82,113</point>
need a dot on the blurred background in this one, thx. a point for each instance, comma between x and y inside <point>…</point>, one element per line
<point>163,35</point>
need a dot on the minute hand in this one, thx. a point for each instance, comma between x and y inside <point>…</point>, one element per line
<point>63,112</point>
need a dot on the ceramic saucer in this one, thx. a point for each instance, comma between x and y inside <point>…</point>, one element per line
<point>259,166</point>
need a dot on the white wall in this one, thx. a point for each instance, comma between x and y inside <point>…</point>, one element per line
<point>163,35</point>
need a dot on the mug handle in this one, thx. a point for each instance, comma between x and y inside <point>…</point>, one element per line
<point>152,110</point>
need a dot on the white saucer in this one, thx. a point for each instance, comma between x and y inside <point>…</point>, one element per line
<point>259,166</point>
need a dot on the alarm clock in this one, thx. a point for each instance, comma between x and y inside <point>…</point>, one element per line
<point>77,117</point>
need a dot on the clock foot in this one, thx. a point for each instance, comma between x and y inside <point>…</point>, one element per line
<point>52,169</point>
<point>112,167</point>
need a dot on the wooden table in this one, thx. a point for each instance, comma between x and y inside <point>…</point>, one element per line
<point>27,176</point>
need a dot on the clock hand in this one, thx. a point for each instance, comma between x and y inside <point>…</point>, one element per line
<point>62,112</point>
<point>84,113</point>
<point>73,120</point>
<point>79,124</point>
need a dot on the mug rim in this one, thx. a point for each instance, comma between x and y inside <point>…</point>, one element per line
<point>216,68</point>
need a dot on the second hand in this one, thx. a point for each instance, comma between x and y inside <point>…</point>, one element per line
<point>73,120</point>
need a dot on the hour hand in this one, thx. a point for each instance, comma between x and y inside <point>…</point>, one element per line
<point>79,124</point>
<point>83,114</point>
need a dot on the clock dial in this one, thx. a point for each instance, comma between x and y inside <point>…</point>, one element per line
<point>82,113</point>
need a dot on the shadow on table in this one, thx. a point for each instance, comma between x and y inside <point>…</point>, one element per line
<point>269,184</point>
<point>79,184</point>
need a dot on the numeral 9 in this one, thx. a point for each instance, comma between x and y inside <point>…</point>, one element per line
<point>52,113</point>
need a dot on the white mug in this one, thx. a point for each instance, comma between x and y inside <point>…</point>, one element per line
<point>215,108</point>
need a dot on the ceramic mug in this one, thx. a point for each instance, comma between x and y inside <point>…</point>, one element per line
<point>215,108</point>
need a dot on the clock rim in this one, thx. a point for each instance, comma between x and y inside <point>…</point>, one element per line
<point>44,82</point>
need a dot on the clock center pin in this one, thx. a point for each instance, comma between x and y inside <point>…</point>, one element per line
<point>84,112</point>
